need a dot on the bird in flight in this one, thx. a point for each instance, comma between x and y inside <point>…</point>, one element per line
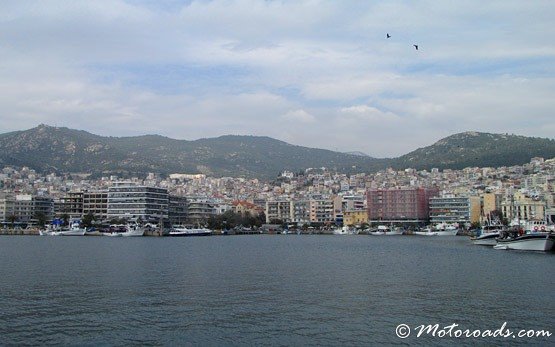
<point>388,36</point>
<point>416,46</point>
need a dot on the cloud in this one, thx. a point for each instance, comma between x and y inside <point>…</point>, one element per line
<point>299,116</point>
<point>205,68</point>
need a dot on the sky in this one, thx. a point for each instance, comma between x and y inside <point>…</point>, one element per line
<point>312,73</point>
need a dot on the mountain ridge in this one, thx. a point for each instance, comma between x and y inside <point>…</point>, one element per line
<point>61,149</point>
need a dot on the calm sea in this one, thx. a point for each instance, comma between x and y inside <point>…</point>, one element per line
<point>267,290</point>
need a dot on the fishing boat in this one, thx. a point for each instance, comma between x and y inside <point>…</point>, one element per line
<point>540,242</point>
<point>345,231</point>
<point>487,236</point>
<point>442,229</point>
<point>127,230</point>
<point>386,231</point>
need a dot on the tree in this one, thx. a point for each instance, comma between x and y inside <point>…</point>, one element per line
<point>65,218</point>
<point>88,220</point>
<point>12,219</point>
<point>41,218</point>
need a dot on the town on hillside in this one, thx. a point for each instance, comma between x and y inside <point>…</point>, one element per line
<point>315,198</point>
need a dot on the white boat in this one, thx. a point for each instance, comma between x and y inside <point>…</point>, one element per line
<point>73,230</point>
<point>385,230</point>
<point>345,231</point>
<point>190,232</point>
<point>125,230</point>
<point>486,239</point>
<point>541,242</point>
<point>440,229</point>
<point>487,235</point>
<point>535,226</point>
<point>433,232</point>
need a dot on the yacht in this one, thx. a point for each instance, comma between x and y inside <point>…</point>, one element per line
<point>182,231</point>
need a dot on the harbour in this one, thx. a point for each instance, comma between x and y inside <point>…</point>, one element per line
<point>265,289</point>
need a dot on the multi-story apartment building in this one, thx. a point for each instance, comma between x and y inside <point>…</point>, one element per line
<point>25,209</point>
<point>322,211</point>
<point>96,203</point>
<point>200,210</point>
<point>177,209</point>
<point>134,202</point>
<point>70,205</point>
<point>399,205</point>
<point>521,207</point>
<point>281,210</point>
<point>301,212</point>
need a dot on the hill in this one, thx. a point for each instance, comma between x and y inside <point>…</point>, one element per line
<point>48,149</point>
<point>477,149</point>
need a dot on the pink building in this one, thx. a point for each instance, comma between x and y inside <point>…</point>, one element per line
<point>401,205</point>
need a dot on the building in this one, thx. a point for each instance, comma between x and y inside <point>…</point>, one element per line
<point>25,209</point>
<point>200,210</point>
<point>96,203</point>
<point>399,205</point>
<point>243,208</point>
<point>301,212</point>
<point>70,206</point>
<point>134,202</point>
<point>322,211</point>
<point>279,210</point>
<point>490,202</point>
<point>520,206</point>
<point>450,209</point>
<point>177,209</point>
<point>355,217</point>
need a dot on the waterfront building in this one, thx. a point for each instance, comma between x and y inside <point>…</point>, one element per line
<point>199,210</point>
<point>96,203</point>
<point>490,202</point>
<point>135,202</point>
<point>70,205</point>
<point>177,209</point>
<point>355,217</point>
<point>450,209</point>
<point>25,209</point>
<point>520,206</point>
<point>301,212</point>
<point>322,211</point>
<point>279,210</point>
<point>399,205</point>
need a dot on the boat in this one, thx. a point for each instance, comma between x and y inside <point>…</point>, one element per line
<point>540,242</point>
<point>74,230</point>
<point>487,236</point>
<point>429,231</point>
<point>486,239</point>
<point>385,230</point>
<point>345,231</point>
<point>537,226</point>
<point>127,230</point>
<point>181,231</point>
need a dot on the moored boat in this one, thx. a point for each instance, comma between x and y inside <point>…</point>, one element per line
<point>486,239</point>
<point>541,242</point>
<point>190,232</point>
<point>345,231</point>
